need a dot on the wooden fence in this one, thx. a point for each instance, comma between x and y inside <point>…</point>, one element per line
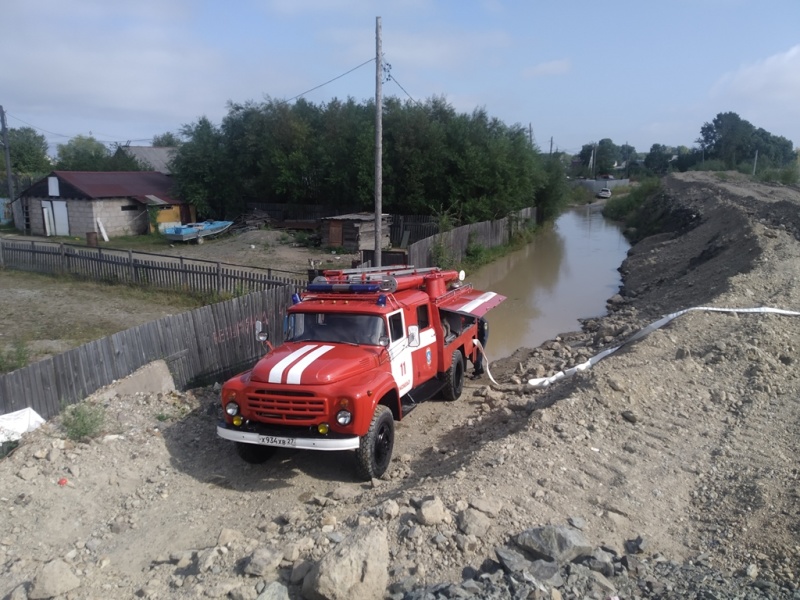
<point>200,346</point>
<point>455,242</point>
<point>203,345</point>
<point>142,268</point>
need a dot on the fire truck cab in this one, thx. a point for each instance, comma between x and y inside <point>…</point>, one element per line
<point>362,347</point>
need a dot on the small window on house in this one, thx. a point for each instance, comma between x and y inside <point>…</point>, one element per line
<point>422,317</point>
<point>130,207</point>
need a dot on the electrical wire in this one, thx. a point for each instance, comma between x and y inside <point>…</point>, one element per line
<point>366,62</point>
<point>392,78</point>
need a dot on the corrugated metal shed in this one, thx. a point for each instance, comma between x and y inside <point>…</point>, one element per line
<point>97,185</point>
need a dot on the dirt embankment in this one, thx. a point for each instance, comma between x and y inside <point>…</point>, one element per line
<point>687,440</point>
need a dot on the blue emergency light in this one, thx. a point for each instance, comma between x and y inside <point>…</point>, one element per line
<point>353,288</point>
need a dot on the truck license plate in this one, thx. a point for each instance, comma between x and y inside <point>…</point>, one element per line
<point>271,440</point>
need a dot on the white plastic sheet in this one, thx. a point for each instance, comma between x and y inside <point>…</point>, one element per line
<point>543,382</point>
<point>13,425</point>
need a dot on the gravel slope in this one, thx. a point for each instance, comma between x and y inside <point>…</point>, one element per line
<point>686,440</point>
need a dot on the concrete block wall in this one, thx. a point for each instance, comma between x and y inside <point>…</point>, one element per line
<point>81,217</point>
<point>120,222</point>
<point>36,217</point>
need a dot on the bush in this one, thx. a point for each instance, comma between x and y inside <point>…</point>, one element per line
<point>83,421</point>
<point>475,252</point>
<point>623,208</point>
<point>787,176</point>
<point>581,195</point>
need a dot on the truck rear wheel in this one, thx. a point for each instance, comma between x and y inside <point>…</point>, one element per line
<point>255,454</point>
<point>375,448</point>
<point>455,378</point>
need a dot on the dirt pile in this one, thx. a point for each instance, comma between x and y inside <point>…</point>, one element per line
<point>670,466</point>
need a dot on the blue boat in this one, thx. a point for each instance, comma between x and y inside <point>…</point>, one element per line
<point>196,231</point>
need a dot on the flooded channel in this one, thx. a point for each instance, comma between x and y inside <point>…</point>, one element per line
<point>568,272</point>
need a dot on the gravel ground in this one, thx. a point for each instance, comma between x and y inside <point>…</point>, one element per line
<point>670,466</point>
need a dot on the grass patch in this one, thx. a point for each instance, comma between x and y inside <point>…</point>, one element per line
<point>83,421</point>
<point>15,358</point>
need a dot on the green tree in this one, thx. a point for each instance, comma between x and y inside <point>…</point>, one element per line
<point>657,160</point>
<point>606,156</point>
<point>554,193</point>
<point>121,160</point>
<point>28,151</point>
<point>727,138</point>
<point>166,140</point>
<point>82,153</point>
<point>435,161</point>
<point>200,169</point>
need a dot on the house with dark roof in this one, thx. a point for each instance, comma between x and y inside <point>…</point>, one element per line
<point>74,203</point>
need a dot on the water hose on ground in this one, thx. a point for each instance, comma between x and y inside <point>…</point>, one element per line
<point>543,382</point>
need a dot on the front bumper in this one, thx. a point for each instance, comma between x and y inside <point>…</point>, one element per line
<point>280,439</point>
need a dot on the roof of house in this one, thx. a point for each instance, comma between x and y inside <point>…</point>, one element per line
<point>148,187</point>
<point>157,158</point>
<point>362,216</point>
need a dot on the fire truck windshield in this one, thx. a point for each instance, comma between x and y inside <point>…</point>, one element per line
<point>335,327</point>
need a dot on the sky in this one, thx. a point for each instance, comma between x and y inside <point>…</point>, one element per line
<point>637,72</point>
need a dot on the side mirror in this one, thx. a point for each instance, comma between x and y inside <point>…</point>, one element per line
<point>413,336</point>
<point>262,332</point>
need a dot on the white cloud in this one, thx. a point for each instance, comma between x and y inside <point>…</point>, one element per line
<point>553,67</point>
<point>766,93</point>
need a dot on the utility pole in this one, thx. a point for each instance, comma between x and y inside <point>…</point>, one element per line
<point>378,145</point>
<point>7,152</point>
<point>755,162</point>
<point>551,145</point>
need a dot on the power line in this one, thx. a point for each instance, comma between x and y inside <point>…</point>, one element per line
<point>393,78</point>
<point>366,62</point>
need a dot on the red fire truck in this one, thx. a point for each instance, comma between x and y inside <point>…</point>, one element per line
<point>362,348</point>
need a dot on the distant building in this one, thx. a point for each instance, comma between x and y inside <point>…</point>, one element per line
<point>154,158</point>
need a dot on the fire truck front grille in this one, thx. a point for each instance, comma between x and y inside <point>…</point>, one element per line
<point>284,406</point>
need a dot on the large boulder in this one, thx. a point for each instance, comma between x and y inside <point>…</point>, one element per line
<point>357,568</point>
<point>55,578</point>
<point>554,543</point>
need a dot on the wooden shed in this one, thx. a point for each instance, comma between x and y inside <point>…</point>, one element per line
<point>354,232</point>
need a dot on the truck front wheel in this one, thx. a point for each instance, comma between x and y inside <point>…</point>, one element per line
<point>455,378</point>
<point>375,448</point>
<point>255,454</point>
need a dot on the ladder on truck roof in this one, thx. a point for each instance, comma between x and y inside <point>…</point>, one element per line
<point>378,273</point>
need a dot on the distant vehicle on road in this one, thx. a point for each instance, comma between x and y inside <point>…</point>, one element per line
<point>604,193</point>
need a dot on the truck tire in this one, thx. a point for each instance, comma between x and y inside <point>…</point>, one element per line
<point>375,448</point>
<point>254,454</point>
<point>455,378</point>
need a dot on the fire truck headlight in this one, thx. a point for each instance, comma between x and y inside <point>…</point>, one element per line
<point>232,409</point>
<point>238,420</point>
<point>343,417</point>
<point>323,428</point>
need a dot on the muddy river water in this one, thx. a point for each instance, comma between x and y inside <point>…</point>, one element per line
<point>567,273</point>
